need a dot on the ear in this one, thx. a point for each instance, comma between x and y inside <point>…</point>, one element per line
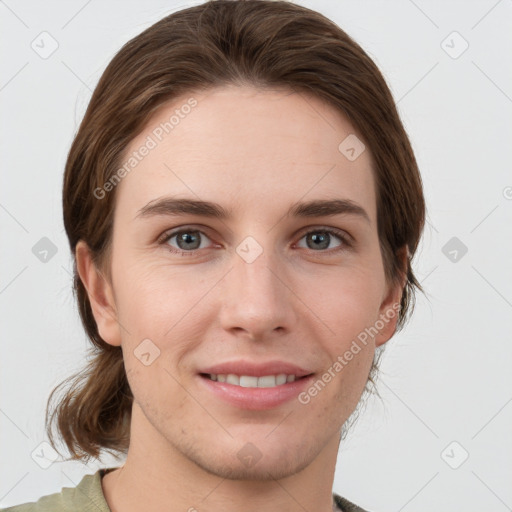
<point>100,293</point>
<point>390,306</point>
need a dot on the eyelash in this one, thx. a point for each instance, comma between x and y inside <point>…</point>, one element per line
<point>346,243</point>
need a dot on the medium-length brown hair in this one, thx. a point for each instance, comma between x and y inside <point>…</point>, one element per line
<point>262,43</point>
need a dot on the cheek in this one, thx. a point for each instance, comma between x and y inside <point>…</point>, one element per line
<point>348,299</point>
<point>148,295</point>
<point>350,308</point>
<point>163,306</point>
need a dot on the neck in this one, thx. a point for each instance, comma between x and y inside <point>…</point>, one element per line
<point>157,476</point>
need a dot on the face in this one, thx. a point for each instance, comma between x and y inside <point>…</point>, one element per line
<point>265,290</point>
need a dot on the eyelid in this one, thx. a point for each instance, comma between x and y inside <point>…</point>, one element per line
<point>347,240</point>
<point>164,237</point>
<point>345,235</point>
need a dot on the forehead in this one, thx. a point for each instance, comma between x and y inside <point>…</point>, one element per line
<point>242,144</point>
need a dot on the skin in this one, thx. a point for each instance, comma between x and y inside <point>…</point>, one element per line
<point>256,152</point>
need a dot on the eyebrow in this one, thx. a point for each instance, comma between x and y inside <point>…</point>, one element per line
<point>314,208</point>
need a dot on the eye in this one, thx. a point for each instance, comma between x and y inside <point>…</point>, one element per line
<point>320,238</point>
<point>188,240</point>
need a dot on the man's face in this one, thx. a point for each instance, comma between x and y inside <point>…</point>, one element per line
<point>261,292</point>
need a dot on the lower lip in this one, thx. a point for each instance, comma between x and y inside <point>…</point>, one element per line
<point>256,398</point>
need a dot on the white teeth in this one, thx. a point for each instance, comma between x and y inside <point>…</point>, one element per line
<point>281,378</point>
<point>268,381</point>
<point>250,381</point>
<point>233,379</point>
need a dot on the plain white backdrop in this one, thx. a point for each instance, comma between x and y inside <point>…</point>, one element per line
<point>441,437</point>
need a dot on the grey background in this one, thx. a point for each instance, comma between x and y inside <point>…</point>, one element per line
<point>445,379</point>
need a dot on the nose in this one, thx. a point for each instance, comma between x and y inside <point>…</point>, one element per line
<point>258,302</point>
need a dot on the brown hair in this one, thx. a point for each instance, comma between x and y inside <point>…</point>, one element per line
<point>263,43</point>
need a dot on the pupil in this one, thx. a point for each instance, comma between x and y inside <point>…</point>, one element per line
<point>323,240</point>
<point>187,239</point>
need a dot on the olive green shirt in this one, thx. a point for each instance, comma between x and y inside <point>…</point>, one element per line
<point>88,496</point>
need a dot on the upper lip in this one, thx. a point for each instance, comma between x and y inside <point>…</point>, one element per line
<point>244,367</point>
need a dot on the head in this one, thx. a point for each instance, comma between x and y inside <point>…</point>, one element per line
<point>256,106</point>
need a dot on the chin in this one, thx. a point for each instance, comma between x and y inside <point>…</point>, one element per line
<point>263,470</point>
<point>259,461</point>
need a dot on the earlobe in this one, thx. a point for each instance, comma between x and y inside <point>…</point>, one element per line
<point>390,307</point>
<point>100,294</point>
<point>386,324</point>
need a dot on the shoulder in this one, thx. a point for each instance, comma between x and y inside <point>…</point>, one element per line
<point>345,505</point>
<point>49,503</point>
<point>87,496</point>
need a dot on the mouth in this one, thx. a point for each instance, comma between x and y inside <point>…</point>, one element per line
<point>249,386</point>
<point>253,381</point>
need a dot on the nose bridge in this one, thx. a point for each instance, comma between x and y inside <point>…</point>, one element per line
<point>255,269</point>
<point>256,300</point>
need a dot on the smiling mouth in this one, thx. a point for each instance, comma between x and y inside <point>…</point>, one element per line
<point>251,381</point>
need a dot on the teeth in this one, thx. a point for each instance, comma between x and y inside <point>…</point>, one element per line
<point>268,381</point>
<point>250,381</point>
<point>282,378</point>
<point>233,379</point>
